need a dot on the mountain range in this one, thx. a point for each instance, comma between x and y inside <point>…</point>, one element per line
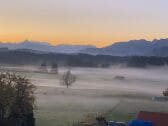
<point>129,48</point>
<point>44,47</point>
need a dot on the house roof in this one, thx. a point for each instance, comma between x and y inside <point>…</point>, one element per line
<point>158,119</point>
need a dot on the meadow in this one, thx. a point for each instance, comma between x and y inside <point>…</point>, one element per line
<point>97,92</point>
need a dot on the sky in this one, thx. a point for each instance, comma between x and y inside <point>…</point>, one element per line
<point>96,22</point>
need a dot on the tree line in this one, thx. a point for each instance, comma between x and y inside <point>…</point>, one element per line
<point>78,60</point>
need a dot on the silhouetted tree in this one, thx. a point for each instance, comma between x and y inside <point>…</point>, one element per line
<point>16,96</point>
<point>68,79</point>
<point>165,93</point>
<point>24,101</point>
<point>54,68</point>
<point>43,67</point>
<point>7,94</point>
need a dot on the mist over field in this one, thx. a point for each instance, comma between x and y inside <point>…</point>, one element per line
<point>149,80</point>
<point>119,92</point>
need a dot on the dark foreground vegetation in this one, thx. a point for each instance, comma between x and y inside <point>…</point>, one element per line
<point>16,100</point>
<point>77,60</point>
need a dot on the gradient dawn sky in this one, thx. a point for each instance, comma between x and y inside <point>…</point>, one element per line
<point>97,22</point>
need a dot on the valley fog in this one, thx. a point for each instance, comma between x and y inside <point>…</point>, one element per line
<point>110,91</point>
<point>148,80</point>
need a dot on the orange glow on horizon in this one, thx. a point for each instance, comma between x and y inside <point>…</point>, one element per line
<point>96,42</point>
<point>84,22</point>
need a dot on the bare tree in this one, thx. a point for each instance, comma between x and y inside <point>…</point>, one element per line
<point>165,93</point>
<point>16,96</point>
<point>54,68</point>
<point>68,79</point>
<point>43,67</point>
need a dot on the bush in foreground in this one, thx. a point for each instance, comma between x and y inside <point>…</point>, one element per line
<point>16,99</point>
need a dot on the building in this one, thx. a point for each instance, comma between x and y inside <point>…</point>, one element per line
<point>158,119</point>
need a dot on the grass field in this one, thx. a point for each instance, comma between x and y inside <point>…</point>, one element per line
<point>95,92</point>
<point>66,106</point>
